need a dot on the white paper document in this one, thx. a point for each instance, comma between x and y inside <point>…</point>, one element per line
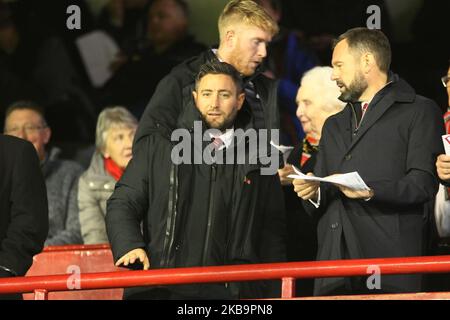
<point>350,180</point>
<point>285,150</point>
<point>98,50</point>
<point>446,141</point>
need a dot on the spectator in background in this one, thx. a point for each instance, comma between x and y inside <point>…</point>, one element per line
<point>442,209</point>
<point>288,58</point>
<point>440,233</point>
<point>114,136</point>
<point>321,21</point>
<point>125,21</point>
<point>25,119</point>
<point>168,22</point>
<point>446,83</point>
<point>317,99</point>
<point>167,44</point>
<point>431,19</point>
<point>23,208</point>
<point>14,77</point>
<point>445,79</point>
<point>31,64</point>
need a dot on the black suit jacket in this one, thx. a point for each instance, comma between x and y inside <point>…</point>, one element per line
<point>394,151</point>
<point>23,206</point>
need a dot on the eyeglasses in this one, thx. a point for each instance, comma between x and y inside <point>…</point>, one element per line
<point>28,128</point>
<point>445,80</point>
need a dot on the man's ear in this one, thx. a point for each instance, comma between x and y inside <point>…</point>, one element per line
<point>47,135</point>
<point>240,100</point>
<point>368,62</point>
<point>229,38</point>
<point>104,153</point>
<point>194,94</point>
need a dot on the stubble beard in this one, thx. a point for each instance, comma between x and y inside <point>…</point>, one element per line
<point>355,90</point>
<point>227,123</point>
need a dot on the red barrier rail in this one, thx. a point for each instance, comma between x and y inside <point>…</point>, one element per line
<point>41,285</point>
<point>74,247</point>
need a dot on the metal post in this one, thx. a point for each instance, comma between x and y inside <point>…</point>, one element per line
<point>40,294</point>
<point>287,288</point>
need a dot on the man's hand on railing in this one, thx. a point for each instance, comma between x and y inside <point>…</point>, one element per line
<point>136,255</point>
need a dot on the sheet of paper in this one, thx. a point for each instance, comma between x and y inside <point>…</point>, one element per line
<point>446,141</point>
<point>351,180</point>
<point>285,150</point>
<point>97,50</point>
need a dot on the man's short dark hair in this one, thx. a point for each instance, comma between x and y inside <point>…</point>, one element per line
<point>26,105</point>
<point>372,40</point>
<point>182,4</point>
<point>217,67</point>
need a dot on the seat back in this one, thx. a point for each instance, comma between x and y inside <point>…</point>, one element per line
<point>71,259</point>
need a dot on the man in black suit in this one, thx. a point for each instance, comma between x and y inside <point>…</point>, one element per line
<point>23,208</point>
<point>391,137</point>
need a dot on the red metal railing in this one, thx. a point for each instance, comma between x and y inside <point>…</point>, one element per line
<point>287,272</point>
<point>76,247</point>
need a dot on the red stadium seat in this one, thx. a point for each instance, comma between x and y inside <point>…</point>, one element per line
<point>64,259</point>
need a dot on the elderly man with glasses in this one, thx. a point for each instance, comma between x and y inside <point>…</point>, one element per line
<point>442,206</point>
<point>25,120</point>
<point>443,161</point>
<point>441,234</point>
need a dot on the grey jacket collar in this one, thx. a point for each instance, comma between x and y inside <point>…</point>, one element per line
<point>96,175</point>
<point>51,160</point>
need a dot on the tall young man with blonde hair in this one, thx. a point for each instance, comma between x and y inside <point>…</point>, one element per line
<point>245,30</point>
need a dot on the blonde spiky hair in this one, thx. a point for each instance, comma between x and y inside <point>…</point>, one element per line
<point>247,12</point>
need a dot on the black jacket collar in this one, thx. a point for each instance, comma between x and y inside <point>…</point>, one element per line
<point>396,91</point>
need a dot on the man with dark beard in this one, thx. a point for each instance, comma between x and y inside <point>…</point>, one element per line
<point>198,213</point>
<point>391,136</point>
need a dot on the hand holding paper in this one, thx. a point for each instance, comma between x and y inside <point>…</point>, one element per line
<point>446,141</point>
<point>285,150</point>
<point>443,160</point>
<point>350,180</point>
<point>307,189</point>
<point>284,175</point>
<point>356,194</point>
